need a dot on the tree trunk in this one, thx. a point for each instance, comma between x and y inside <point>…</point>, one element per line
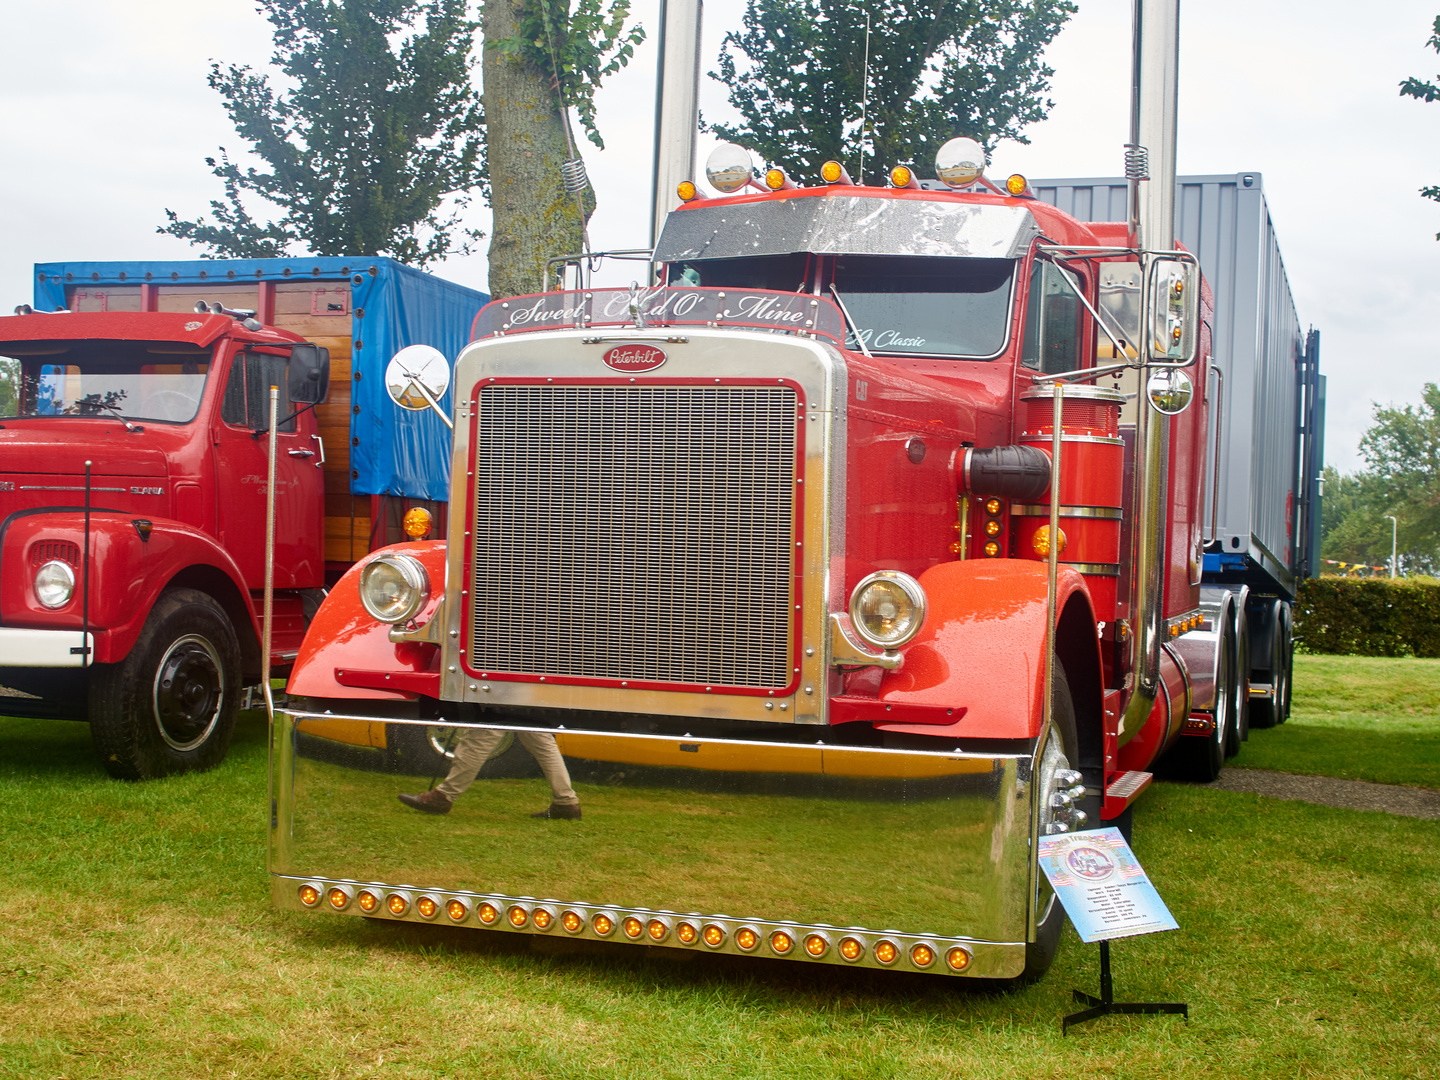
<point>535,219</point>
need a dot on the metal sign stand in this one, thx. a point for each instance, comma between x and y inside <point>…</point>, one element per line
<point>1106,1004</point>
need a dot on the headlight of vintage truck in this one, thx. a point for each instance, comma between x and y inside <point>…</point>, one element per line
<point>393,587</point>
<point>54,584</point>
<point>887,608</point>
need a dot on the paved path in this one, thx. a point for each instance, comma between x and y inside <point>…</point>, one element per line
<point>1347,794</point>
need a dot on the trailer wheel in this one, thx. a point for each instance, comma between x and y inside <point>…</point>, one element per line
<point>429,750</point>
<point>1040,953</point>
<point>1234,706</point>
<point>1269,711</point>
<point>170,706</point>
<point>1286,666</point>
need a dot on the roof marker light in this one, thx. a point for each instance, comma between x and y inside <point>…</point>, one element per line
<point>903,177</point>
<point>776,180</point>
<point>832,172</point>
<point>1016,184</point>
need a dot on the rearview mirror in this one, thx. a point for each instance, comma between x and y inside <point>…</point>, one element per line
<point>308,377</point>
<point>1174,311</point>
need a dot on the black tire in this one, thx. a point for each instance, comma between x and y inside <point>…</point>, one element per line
<point>1286,666</point>
<point>428,750</point>
<point>1269,711</point>
<point>1040,953</point>
<point>1241,662</point>
<point>169,707</point>
<point>1231,689</point>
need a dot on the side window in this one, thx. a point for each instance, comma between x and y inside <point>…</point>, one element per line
<point>247,392</point>
<point>1052,322</point>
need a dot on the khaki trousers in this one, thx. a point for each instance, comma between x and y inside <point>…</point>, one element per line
<point>477,744</point>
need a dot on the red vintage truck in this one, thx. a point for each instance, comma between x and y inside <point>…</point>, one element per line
<point>133,483</point>
<point>860,551</point>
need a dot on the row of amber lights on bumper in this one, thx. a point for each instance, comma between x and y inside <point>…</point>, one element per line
<point>655,930</point>
<point>832,172</point>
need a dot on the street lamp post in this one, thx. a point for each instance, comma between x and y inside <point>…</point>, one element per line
<point>1394,526</point>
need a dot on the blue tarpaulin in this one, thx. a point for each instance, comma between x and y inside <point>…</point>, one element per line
<point>392,452</point>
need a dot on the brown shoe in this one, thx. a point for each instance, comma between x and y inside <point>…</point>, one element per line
<point>555,811</point>
<point>434,801</point>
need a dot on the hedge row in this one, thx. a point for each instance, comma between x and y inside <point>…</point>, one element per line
<point>1368,617</point>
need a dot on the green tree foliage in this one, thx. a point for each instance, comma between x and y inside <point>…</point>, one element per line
<point>1402,452</point>
<point>1426,91</point>
<point>937,69</point>
<point>376,127</point>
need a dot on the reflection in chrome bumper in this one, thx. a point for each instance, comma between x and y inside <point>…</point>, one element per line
<point>816,852</point>
<point>23,648</point>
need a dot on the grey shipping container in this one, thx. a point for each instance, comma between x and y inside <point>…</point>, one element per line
<point>1262,525</point>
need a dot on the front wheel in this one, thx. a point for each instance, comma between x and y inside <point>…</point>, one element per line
<point>170,706</point>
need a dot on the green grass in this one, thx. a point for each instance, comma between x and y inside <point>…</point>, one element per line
<point>137,939</point>
<point>1359,718</point>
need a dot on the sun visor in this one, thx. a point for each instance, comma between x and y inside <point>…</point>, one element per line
<point>836,224</point>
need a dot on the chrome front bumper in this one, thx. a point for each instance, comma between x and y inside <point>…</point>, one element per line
<point>834,850</point>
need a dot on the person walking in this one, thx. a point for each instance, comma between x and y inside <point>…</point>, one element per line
<point>471,752</point>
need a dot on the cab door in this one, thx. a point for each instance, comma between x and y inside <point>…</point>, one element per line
<point>241,469</point>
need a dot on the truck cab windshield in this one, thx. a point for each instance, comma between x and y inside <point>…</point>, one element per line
<point>137,380</point>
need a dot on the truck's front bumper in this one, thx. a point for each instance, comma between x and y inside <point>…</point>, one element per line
<point>864,856</point>
<point>26,648</point>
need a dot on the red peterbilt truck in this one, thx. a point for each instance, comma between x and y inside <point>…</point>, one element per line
<point>132,480</point>
<point>781,554</point>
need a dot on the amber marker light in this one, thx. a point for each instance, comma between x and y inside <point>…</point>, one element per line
<point>832,172</point>
<point>956,547</point>
<point>816,945</point>
<point>922,955</point>
<point>886,952</point>
<point>396,904</point>
<point>488,914</point>
<point>309,895</point>
<point>632,926</point>
<point>993,506</point>
<point>781,942</point>
<point>902,177</point>
<point>367,900</point>
<point>852,949</point>
<point>992,528</point>
<point>339,898</point>
<point>992,549</point>
<point>1016,184</point>
<point>686,190</point>
<point>458,910</point>
<point>958,958</point>
<point>1041,541</point>
<point>657,929</point>
<point>713,935</point>
<point>572,922</point>
<point>603,924</point>
<point>427,907</point>
<point>542,919</point>
<point>418,523</point>
<point>686,934</point>
<point>747,938</point>
<point>518,916</point>
<point>775,179</point>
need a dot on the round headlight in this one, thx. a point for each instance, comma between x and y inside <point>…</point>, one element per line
<point>393,587</point>
<point>887,608</point>
<point>54,584</point>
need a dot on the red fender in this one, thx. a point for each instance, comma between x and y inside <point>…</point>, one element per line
<point>344,636</point>
<point>983,648</point>
<point>127,573</point>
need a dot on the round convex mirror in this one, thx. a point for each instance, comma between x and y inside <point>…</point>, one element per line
<point>413,367</point>
<point>729,168</point>
<point>1169,391</point>
<point>960,162</point>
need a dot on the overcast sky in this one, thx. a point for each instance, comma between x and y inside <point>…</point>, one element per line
<point>105,120</point>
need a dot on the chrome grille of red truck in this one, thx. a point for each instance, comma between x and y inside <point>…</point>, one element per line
<point>636,532</point>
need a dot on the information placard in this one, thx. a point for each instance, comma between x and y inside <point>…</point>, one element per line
<point>1102,885</point>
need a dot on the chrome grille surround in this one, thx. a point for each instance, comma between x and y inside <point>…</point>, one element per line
<point>713,356</point>
<point>637,532</point>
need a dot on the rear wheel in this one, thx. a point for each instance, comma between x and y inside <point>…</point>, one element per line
<point>170,705</point>
<point>1274,708</point>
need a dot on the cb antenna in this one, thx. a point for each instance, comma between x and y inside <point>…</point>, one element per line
<point>864,98</point>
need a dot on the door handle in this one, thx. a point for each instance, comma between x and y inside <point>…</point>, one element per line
<point>320,443</point>
<point>301,453</point>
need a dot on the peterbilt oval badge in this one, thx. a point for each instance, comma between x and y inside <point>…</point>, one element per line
<point>632,358</point>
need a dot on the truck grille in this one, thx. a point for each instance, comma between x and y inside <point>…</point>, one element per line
<point>636,532</point>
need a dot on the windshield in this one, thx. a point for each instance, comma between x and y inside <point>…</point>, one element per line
<point>138,380</point>
<point>926,307</point>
